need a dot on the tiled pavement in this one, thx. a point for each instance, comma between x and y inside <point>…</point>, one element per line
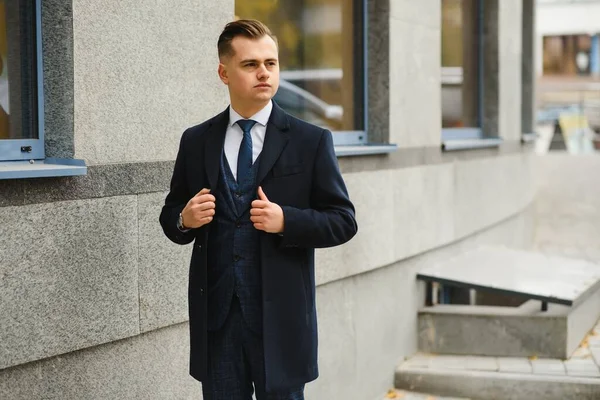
<point>585,362</point>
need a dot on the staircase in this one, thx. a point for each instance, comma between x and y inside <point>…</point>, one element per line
<point>534,351</point>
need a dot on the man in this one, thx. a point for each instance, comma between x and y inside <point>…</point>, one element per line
<point>256,190</point>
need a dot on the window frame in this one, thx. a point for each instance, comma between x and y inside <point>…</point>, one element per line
<point>11,149</point>
<point>359,137</point>
<point>471,137</point>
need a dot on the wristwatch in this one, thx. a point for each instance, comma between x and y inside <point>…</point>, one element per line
<point>180,224</point>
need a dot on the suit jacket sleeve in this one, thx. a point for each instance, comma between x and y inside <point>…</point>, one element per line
<point>330,220</point>
<point>176,200</point>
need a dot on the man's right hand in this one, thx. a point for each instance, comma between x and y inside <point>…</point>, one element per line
<point>199,211</point>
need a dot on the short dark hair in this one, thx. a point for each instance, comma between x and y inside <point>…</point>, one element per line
<point>249,28</point>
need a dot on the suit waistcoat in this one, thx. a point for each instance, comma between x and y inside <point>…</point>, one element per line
<point>233,251</point>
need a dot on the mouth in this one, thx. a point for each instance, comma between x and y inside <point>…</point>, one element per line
<point>263,85</point>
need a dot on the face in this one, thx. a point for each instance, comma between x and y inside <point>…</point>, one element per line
<point>252,73</point>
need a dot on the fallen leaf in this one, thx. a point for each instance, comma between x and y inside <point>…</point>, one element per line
<point>533,357</point>
<point>391,394</point>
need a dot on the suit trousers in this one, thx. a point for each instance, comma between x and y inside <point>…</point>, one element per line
<point>236,367</point>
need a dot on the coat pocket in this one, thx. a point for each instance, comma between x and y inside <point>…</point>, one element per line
<point>285,170</point>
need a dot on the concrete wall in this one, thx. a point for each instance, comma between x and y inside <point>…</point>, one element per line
<point>567,210</point>
<point>94,296</point>
<point>143,74</point>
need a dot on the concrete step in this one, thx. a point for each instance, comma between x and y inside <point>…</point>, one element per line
<point>506,378</point>
<point>507,331</point>
<point>406,395</point>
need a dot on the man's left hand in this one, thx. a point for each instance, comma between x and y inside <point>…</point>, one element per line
<point>265,215</point>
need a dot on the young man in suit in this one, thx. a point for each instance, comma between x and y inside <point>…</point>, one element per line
<point>256,190</point>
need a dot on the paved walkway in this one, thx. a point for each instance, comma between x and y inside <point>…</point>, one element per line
<point>404,395</point>
<point>585,362</point>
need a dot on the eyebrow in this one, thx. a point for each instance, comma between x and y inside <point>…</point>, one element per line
<point>254,60</point>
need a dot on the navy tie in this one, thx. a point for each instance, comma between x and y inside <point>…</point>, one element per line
<point>244,162</point>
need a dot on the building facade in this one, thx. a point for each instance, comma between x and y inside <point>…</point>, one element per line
<point>568,38</point>
<point>428,102</point>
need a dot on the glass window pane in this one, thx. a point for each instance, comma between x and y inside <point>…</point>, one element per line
<point>460,68</point>
<point>18,70</point>
<point>321,58</point>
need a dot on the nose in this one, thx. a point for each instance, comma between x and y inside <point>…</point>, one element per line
<point>263,73</point>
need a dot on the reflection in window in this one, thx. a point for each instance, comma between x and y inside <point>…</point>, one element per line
<point>4,104</point>
<point>18,70</point>
<point>567,55</point>
<point>321,58</point>
<point>460,66</point>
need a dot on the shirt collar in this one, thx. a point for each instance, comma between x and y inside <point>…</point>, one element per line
<point>262,117</point>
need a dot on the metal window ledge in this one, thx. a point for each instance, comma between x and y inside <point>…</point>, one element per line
<point>364,149</point>
<point>50,167</point>
<point>468,144</point>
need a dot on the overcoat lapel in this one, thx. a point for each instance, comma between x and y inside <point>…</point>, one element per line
<point>214,148</point>
<point>276,138</point>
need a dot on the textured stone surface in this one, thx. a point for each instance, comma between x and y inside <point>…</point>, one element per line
<point>420,201</point>
<point>146,177</point>
<point>448,362</point>
<point>581,321</point>
<point>163,269</point>
<point>567,207</point>
<point>371,194</point>
<point>423,209</point>
<point>515,365</point>
<point>415,84</point>
<point>497,385</point>
<point>491,66</point>
<point>528,74</point>
<point>69,277</point>
<point>12,193</point>
<point>404,395</point>
<point>596,355</point>
<point>57,43</point>
<point>379,71</point>
<point>101,181</point>
<point>377,349</point>
<point>338,376</point>
<point>492,335</point>
<point>548,367</point>
<point>482,363</point>
<point>510,14</point>
<point>354,362</point>
<point>489,190</point>
<point>144,73</point>
<point>411,11</point>
<point>152,366</point>
<point>582,367</point>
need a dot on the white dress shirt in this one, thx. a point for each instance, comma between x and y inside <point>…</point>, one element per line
<point>234,135</point>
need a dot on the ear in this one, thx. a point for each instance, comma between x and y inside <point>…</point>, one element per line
<point>223,73</point>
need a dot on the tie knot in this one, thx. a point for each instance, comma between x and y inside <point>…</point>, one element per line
<point>246,124</point>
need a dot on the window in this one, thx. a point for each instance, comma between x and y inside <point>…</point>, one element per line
<point>567,55</point>
<point>461,68</point>
<point>21,127</point>
<point>321,49</point>
<point>468,121</point>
